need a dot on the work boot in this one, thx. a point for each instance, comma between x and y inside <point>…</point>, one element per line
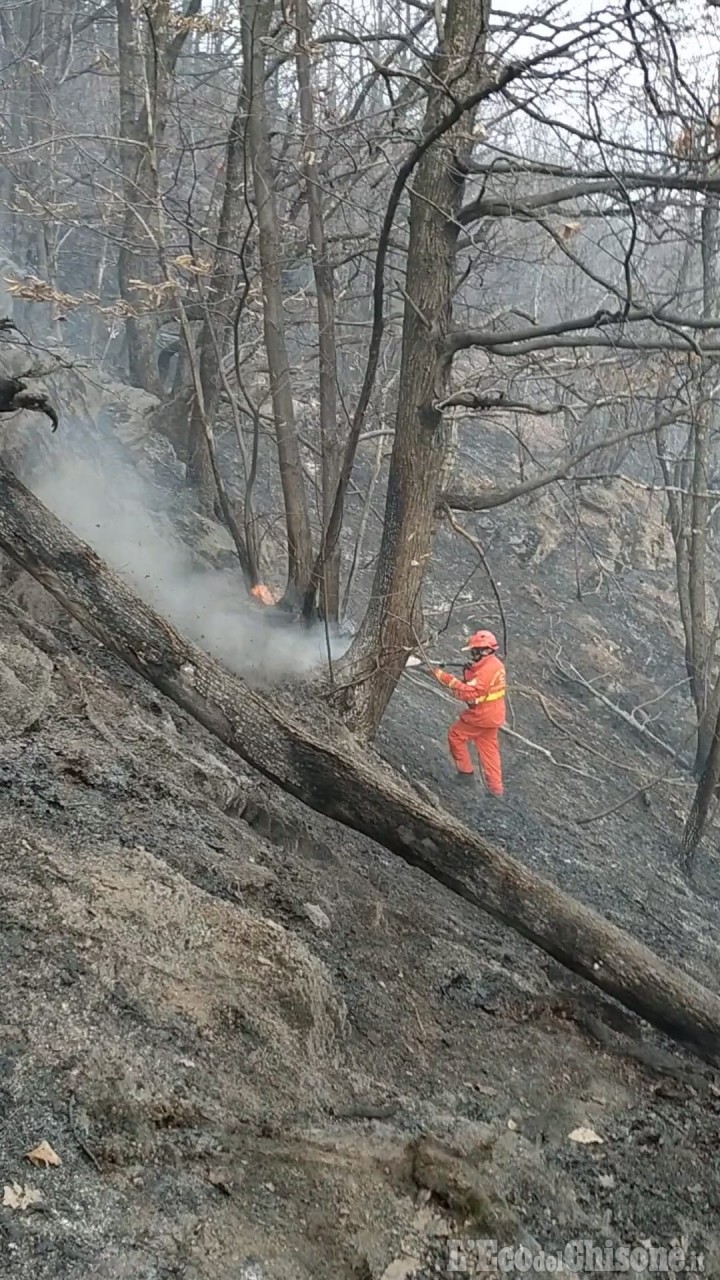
<point>465,779</point>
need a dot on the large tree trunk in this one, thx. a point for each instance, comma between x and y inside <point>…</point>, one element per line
<point>327,770</point>
<point>703,627</point>
<point>219,306</point>
<point>331,452</point>
<point>707,724</point>
<point>706,792</point>
<point>255,25</point>
<point>138,262</point>
<point>687,484</point>
<point>389,631</point>
<point>147,59</point>
<point>30,74</point>
<point>705,795</point>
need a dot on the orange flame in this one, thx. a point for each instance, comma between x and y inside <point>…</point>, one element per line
<point>264,594</point>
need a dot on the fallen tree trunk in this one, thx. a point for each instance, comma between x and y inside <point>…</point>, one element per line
<point>332,775</point>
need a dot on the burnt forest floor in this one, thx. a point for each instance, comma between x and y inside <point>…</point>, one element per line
<point>265,1049</point>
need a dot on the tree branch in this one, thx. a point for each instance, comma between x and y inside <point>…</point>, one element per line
<point>509,73</point>
<point>525,207</point>
<point>500,497</point>
<point>614,344</point>
<point>480,553</point>
<point>512,166</point>
<point>535,337</point>
<point>475,400</point>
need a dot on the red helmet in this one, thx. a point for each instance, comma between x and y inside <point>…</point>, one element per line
<point>481,640</point>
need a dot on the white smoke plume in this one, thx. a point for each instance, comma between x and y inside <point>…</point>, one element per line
<point>109,505</point>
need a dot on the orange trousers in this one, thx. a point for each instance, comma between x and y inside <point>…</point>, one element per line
<point>460,735</point>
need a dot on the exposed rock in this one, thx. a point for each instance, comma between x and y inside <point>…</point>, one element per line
<point>317,916</point>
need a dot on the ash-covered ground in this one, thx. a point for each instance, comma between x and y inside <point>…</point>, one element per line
<point>265,1049</point>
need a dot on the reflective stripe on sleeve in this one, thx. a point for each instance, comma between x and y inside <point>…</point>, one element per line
<point>493,696</point>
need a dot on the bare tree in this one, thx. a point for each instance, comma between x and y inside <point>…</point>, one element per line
<point>703,801</point>
<point>148,52</point>
<point>219,308</point>
<point>276,244</point>
<point>688,468</point>
<point>255,26</point>
<point>330,440</point>
<point>421,442</point>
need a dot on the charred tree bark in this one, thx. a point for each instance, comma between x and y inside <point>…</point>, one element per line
<point>14,396</point>
<point>331,453</point>
<point>705,795</point>
<point>703,628</point>
<point>327,770</point>
<point>687,481</point>
<point>137,258</point>
<point>217,322</point>
<point>255,25</point>
<point>688,516</point>
<point>147,59</point>
<point>421,441</point>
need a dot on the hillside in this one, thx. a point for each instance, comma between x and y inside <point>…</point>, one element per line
<point>262,1047</point>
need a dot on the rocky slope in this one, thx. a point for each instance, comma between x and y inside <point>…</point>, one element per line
<point>261,1047</point>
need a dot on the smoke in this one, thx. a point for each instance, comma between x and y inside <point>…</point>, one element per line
<point>126,520</point>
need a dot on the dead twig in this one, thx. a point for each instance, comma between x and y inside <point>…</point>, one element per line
<point>424,654</point>
<point>567,733</point>
<point>78,1136</point>
<point>573,676</point>
<point>477,548</point>
<point>639,791</point>
<point>544,751</point>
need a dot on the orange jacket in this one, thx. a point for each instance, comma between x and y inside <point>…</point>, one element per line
<point>483,690</point>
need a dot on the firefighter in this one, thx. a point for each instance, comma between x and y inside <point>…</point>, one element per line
<point>483,690</point>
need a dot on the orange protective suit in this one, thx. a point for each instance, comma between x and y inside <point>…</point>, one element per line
<point>483,689</point>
